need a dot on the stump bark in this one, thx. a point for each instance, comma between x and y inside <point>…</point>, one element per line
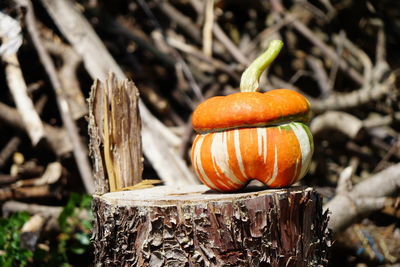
<point>194,226</point>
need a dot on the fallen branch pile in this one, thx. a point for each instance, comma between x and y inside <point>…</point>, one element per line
<point>180,52</point>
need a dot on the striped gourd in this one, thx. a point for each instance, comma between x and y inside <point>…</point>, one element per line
<point>276,156</point>
<point>251,135</point>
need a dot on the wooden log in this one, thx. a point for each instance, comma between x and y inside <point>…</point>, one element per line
<point>194,226</point>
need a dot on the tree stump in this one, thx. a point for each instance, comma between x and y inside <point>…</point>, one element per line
<point>194,226</point>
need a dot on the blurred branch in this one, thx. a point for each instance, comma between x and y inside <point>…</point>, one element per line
<point>302,28</point>
<point>183,21</point>
<point>336,120</point>
<point>230,46</point>
<point>51,175</point>
<point>358,54</point>
<point>57,137</point>
<point>67,74</point>
<point>367,196</point>
<point>339,101</point>
<point>116,27</point>
<point>207,27</point>
<point>79,150</point>
<point>10,34</point>
<point>267,34</point>
<point>224,39</point>
<point>328,51</point>
<point>9,149</point>
<point>356,98</point>
<point>339,50</point>
<point>344,184</point>
<point>379,121</point>
<point>192,50</point>
<point>320,75</point>
<point>12,206</point>
<point>161,39</point>
<point>40,191</point>
<point>156,137</point>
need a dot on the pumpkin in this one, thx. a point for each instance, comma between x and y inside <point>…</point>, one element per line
<point>252,135</point>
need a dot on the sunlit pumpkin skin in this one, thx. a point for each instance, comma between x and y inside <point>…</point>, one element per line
<point>251,135</point>
<point>277,156</point>
<point>248,109</point>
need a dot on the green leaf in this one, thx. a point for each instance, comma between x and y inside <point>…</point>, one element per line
<point>68,210</point>
<point>86,201</point>
<point>10,228</point>
<point>78,250</point>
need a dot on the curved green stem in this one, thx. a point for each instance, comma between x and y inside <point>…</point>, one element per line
<point>250,77</point>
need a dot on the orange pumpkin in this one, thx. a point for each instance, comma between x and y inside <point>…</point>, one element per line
<point>252,135</point>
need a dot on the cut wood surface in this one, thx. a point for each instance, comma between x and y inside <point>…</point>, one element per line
<point>194,226</point>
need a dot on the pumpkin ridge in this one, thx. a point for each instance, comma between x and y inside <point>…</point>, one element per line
<point>272,124</point>
<point>250,109</point>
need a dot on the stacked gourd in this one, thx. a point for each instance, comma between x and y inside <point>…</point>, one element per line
<point>252,135</point>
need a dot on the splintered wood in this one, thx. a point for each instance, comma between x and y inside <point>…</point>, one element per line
<point>194,226</point>
<point>114,128</point>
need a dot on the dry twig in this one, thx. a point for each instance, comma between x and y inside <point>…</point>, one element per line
<point>207,27</point>
<point>365,197</point>
<point>9,149</point>
<point>67,74</point>
<point>224,39</point>
<point>80,151</point>
<point>57,137</point>
<point>340,121</point>
<point>10,34</point>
